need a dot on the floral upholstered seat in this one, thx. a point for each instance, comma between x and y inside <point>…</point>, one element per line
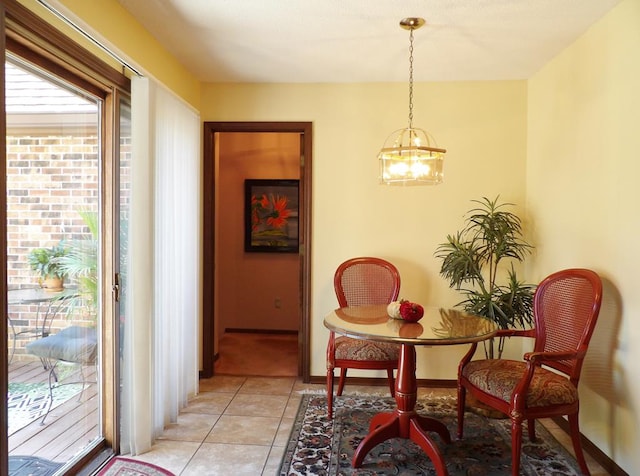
<point>356,349</point>
<point>500,377</point>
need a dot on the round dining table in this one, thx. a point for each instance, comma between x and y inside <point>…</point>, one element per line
<point>437,327</point>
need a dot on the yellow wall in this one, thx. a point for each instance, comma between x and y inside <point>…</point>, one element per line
<point>117,29</point>
<point>483,126</point>
<point>584,198</point>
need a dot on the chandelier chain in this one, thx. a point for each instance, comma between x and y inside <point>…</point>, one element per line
<point>411,78</point>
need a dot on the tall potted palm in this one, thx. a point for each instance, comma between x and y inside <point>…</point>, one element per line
<point>473,262</point>
<point>81,264</point>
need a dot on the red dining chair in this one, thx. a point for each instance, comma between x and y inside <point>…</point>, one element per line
<point>566,306</point>
<point>359,282</point>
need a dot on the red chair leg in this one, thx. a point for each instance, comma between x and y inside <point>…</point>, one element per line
<point>577,446</point>
<point>392,383</point>
<point>462,394</point>
<point>531,429</point>
<point>330,392</point>
<point>516,441</point>
<point>343,378</point>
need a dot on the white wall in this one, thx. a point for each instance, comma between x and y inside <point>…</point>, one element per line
<point>583,197</point>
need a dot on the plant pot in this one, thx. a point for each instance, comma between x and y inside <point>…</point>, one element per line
<point>53,284</point>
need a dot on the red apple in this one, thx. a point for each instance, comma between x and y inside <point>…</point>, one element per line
<point>411,311</point>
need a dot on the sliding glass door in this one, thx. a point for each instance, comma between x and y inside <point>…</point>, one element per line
<point>54,215</point>
<point>63,110</point>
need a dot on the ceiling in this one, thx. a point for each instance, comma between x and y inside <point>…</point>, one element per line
<point>329,41</point>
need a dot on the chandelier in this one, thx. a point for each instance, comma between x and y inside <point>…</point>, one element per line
<point>410,156</point>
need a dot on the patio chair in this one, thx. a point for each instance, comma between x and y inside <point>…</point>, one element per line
<point>49,305</point>
<point>359,282</point>
<point>566,307</point>
<point>75,345</point>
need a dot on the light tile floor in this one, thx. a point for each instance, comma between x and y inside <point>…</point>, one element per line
<point>236,426</point>
<point>239,425</point>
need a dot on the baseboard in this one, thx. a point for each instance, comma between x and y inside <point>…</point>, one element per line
<point>382,382</point>
<point>596,453</point>
<point>229,330</point>
<point>588,446</point>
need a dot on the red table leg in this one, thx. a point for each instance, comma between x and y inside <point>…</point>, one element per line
<point>404,422</point>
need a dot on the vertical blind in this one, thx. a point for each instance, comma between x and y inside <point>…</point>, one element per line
<point>160,367</point>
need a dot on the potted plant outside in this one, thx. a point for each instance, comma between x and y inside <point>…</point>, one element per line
<point>80,263</point>
<point>46,262</point>
<point>473,262</point>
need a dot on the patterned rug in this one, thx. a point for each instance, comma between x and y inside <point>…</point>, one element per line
<point>120,466</point>
<point>318,446</point>
<point>27,402</point>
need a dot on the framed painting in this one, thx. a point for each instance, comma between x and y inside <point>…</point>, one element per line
<point>271,215</point>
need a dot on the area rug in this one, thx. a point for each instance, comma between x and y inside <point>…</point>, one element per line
<point>27,402</point>
<point>120,466</point>
<point>318,446</point>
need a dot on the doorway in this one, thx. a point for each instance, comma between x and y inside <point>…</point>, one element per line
<point>221,194</point>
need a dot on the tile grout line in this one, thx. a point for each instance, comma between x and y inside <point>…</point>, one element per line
<point>235,394</point>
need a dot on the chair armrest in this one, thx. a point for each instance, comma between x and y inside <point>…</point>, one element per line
<point>467,358</point>
<point>536,357</point>
<point>516,333</point>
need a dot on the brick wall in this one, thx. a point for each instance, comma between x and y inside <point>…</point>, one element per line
<point>49,179</point>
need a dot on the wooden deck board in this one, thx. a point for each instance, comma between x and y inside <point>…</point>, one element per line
<point>68,429</point>
<point>24,372</point>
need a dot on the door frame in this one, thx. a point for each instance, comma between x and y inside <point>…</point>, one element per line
<point>208,234</point>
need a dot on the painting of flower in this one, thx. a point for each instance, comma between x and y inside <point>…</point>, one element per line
<point>271,215</point>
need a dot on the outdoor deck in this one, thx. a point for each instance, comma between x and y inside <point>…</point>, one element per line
<point>68,428</point>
